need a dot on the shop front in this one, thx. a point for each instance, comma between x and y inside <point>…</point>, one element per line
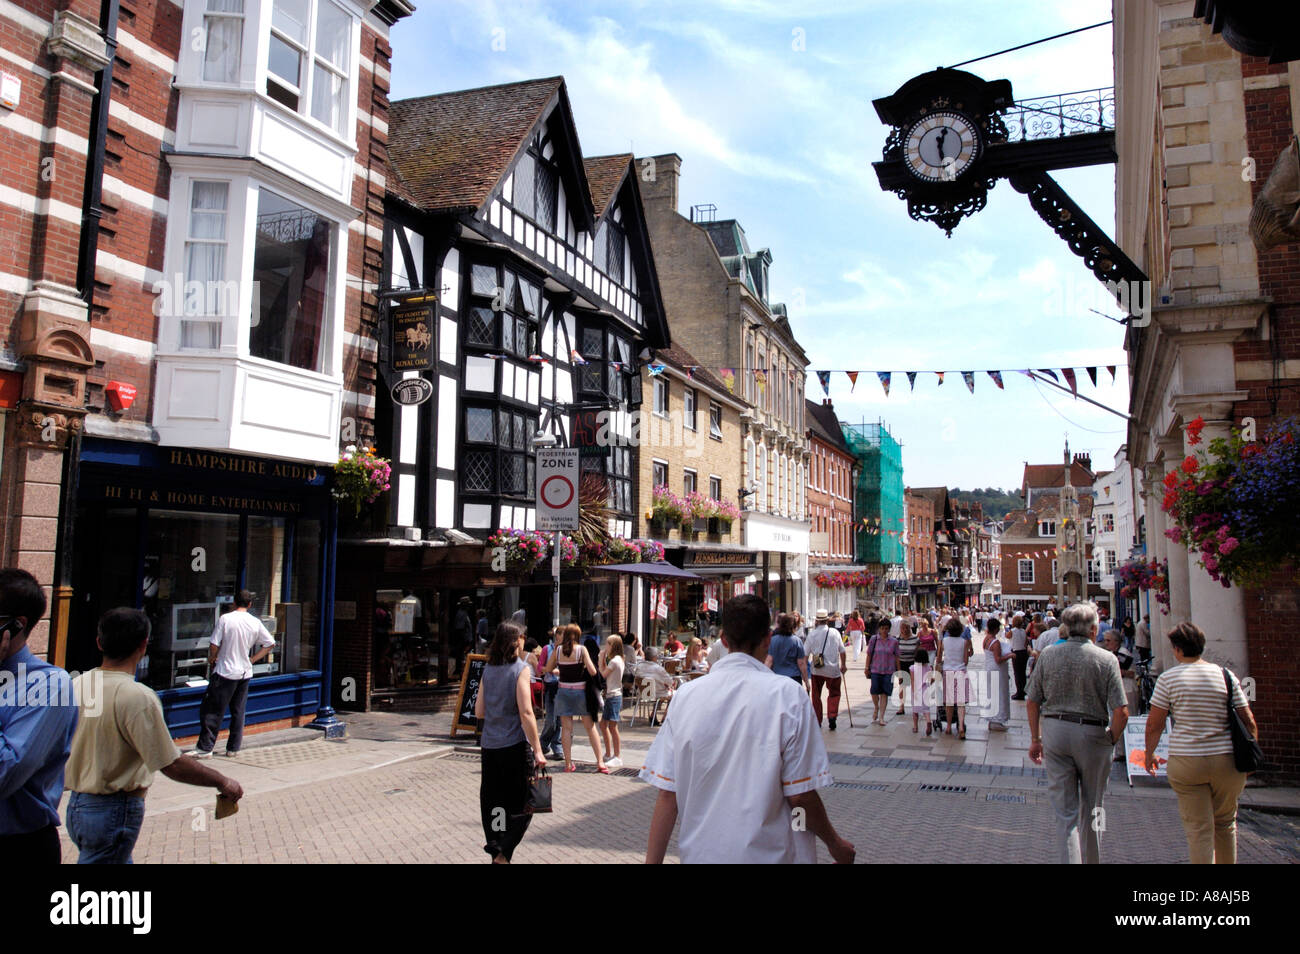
<point>691,607</point>
<point>781,547</point>
<point>178,532</point>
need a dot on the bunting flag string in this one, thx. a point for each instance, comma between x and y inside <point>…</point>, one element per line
<point>825,378</point>
<point>884,380</point>
<point>575,358</point>
<point>729,379</point>
<point>1070,378</point>
<point>1092,373</point>
<point>1111,369</point>
<point>969,378</point>
<point>940,374</point>
<point>656,369</point>
<point>911,380</point>
<point>853,380</point>
<point>1051,374</point>
<point>997,379</point>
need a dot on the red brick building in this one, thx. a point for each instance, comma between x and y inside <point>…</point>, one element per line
<point>922,566</point>
<point>831,478</point>
<point>194,197</point>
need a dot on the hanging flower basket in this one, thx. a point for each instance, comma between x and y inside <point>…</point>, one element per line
<point>1138,574</point>
<point>844,579</point>
<point>1235,503</point>
<point>359,478</point>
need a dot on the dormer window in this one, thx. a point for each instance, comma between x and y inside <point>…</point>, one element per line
<point>1047,528</point>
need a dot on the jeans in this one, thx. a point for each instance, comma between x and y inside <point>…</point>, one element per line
<point>1077,759</point>
<point>104,827</point>
<point>832,697</point>
<point>551,729</point>
<point>223,693</point>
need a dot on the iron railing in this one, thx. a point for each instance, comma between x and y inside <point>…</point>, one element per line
<point>1065,114</point>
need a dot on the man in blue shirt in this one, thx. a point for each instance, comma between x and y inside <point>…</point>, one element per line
<point>37,717</point>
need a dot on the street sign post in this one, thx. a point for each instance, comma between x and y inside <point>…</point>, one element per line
<point>558,474</point>
<point>557,489</point>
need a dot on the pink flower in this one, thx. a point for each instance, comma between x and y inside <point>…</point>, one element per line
<point>1228,545</point>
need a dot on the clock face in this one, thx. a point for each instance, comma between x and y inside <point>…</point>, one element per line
<point>941,146</point>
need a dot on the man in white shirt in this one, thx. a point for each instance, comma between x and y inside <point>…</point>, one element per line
<point>827,644</point>
<point>739,760</point>
<point>716,652</point>
<point>654,673</point>
<point>237,634</point>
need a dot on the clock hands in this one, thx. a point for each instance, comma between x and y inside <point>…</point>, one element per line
<point>943,132</point>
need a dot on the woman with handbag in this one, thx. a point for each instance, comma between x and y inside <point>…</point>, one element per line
<point>574,665</point>
<point>509,745</point>
<point>1208,760</point>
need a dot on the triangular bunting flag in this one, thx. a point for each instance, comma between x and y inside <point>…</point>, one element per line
<point>969,378</point>
<point>761,377</point>
<point>576,358</point>
<point>690,370</point>
<point>825,378</point>
<point>884,380</point>
<point>1111,369</point>
<point>1050,374</point>
<point>940,374</point>
<point>1092,373</point>
<point>853,380</point>
<point>729,378</point>
<point>997,379</point>
<point>655,369</point>
<point>911,380</point>
<point>1069,376</point>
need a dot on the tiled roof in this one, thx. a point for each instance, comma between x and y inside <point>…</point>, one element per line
<point>604,174</point>
<point>1053,475</point>
<point>449,150</point>
<point>681,359</point>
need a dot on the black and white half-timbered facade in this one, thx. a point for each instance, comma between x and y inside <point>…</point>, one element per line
<point>521,287</point>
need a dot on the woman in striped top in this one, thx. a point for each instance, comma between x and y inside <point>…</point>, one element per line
<point>1201,766</point>
<point>908,643</point>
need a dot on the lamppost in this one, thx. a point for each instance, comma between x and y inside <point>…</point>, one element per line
<point>539,441</point>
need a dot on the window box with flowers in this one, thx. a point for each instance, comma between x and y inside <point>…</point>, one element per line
<point>726,513</point>
<point>667,511</point>
<point>359,478</point>
<point>1235,503</point>
<point>702,508</point>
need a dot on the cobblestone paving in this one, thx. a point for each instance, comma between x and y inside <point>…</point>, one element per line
<point>426,810</point>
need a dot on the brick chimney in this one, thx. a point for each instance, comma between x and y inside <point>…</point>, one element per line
<point>657,179</point>
<point>1085,460</point>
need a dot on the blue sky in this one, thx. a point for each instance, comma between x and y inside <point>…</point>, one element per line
<point>782,138</point>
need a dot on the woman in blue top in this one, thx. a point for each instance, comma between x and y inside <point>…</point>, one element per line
<point>786,655</point>
<point>509,746</point>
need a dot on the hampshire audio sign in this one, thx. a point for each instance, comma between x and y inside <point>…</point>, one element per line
<point>412,322</point>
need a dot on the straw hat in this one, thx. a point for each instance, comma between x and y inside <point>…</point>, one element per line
<point>822,616</point>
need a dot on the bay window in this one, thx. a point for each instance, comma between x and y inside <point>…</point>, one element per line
<point>205,265</point>
<point>291,275</point>
<point>308,59</point>
<point>223,40</point>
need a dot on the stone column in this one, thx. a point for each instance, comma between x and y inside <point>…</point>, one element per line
<point>1156,550</point>
<point>1217,610</point>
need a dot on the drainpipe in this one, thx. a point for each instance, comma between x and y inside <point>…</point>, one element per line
<point>61,610</point>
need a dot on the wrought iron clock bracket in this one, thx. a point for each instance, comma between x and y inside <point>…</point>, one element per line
<point>1104,258</point>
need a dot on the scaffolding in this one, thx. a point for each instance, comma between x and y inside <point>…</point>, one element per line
<point>878,493</point>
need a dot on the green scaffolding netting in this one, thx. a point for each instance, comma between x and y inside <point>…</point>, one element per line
<point>879,492</point>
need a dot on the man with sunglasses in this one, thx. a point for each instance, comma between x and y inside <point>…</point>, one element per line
<point>38,715</point>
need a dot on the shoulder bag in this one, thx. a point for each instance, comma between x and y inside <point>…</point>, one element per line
<point>1246,752</point>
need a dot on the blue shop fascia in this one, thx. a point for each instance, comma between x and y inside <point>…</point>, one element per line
<point>177,532</point>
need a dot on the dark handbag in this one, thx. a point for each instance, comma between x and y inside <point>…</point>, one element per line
<point>1246,753</point>
<point>539,792</point>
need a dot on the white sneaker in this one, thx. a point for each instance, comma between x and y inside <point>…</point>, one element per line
<point>614,763</point>
<point>199,754</point>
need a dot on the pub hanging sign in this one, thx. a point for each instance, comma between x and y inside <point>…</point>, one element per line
<point>412,323</point>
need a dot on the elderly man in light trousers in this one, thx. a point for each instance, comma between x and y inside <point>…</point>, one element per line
<point>1077,690</point>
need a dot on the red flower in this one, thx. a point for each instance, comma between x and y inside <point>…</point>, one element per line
<point>1190,464</point>
<point>1194,430</point>
<point>1171,479</point>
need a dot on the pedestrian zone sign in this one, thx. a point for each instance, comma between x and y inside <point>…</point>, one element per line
<point>557,489</point>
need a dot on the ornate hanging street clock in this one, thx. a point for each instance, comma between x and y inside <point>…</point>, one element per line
<point>948,145</point>
<point>940,147</point>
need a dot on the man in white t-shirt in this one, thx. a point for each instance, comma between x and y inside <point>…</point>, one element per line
<point>739,758</point>
<point>236,635</point>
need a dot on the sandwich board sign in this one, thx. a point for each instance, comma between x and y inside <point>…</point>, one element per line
<point>557,489</point>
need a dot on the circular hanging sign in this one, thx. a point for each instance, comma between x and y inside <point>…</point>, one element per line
<point>412,391</point>
<point>557,491</point>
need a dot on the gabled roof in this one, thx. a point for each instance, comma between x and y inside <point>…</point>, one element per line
<point>1048,476</point>
<point>938,497</point>
<point>451,150</point>
<point>825,424</point>
<point>604,176</point>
